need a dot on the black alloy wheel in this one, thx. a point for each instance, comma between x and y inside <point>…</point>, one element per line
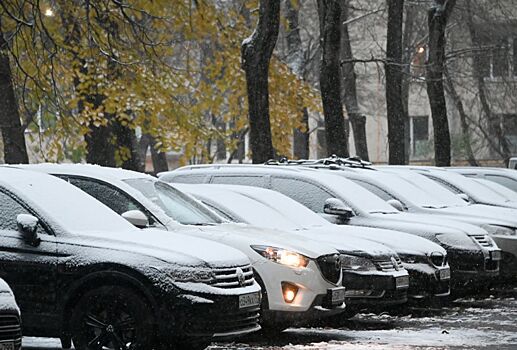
<point>112,318</point>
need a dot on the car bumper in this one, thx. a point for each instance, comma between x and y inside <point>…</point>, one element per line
<point>375,288</point>
<point>473,268</point>
<point>427,282</point>
<point>210,313</point>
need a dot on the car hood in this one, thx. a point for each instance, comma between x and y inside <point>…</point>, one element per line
<point>484,214</point>
<point>444,221</point>
<point>172,247</point>
<point>242,236</point>
<point>400,242</point>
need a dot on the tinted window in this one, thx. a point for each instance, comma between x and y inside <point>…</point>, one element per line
<point>113,198</point>
<point>310,195</point>
<point>503,180</point>
<point>256,181</point>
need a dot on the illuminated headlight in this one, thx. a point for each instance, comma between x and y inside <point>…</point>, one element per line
<point>282,256</point>
<point>500,230</point>
<point>356,263</point>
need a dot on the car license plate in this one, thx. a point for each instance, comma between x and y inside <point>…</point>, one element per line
<point>337,295</point>
<point>495,255</point>
<point>6,346</point>
<point>445,274</point>
<point>247,300</point>
<point>402,282</point>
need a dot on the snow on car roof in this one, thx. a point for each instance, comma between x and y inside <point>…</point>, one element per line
<point>64,204</point>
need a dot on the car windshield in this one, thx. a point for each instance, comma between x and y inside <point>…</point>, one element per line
<point>419,190</point>
<point>174,203</point>
<point>501,190</point>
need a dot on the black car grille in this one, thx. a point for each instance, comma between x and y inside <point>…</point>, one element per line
<point>226,322</point>
<point>233,277</point>
<point>10,329</point>
<point>483,240</point>
<point>394,264</point>
<point>330,267</point>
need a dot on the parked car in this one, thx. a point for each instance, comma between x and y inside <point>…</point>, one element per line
<point>504,177</point>
<point>10,319</point>
<point>426,261</point>
<point>368,285</point>
<point>512,163</point>
<point>472,254</point>
<point>502,191</point>
<point>79,271</point>
<point>301,278</point>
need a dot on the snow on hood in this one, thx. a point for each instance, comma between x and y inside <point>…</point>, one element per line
<point>229,233</point>
<point>485,214</point>
<point>439,222</point>
<point>171,247</point>
<point>400,242</point>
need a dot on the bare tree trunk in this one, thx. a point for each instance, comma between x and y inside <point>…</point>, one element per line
<point>438,16</point>
<point>296,61</point>
<point>407,53</point>
<point>256,52</point>
<point>501,147</point>
<point>330,77</point>
<point>463,118</point>
<point>15,149</point>
<point>349,90</point>
<point>394,77</point>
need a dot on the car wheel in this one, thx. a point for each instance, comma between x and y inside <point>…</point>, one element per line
<point>112,317</point>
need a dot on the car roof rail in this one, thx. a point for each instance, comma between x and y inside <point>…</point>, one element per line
<point>333,160</point>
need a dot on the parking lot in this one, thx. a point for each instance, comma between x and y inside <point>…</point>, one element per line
<point>487,322</point>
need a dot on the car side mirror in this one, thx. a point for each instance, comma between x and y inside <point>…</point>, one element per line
<point>28,227</point>
<point>137,218</point>
<point>334,206</point>
<point>395,204</point>
<point>464,196</point>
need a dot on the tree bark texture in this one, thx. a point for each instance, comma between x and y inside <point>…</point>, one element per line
<point>438,16</point>
<point>256,52</point>
<point>330,77</point>
<point>15,149</point>
<point>394,77</point>
<point>349,89</point>
<point>296,61</point>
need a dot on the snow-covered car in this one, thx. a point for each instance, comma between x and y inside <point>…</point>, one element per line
<point>420,194</point>
<point>81,272</point>
<point>504,177</point>
<point>472,254</point>
<point>301,278</point>
<point>471,190</point>
<point>426,261</point>
<point>502,191</point>
<point>10,320</point>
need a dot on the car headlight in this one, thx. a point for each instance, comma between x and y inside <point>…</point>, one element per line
<point>414,259</point>
<point>356,263</point>
<point>282,256</point>
<point>500,230</point>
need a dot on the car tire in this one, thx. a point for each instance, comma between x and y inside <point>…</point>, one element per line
<point>112,317</point>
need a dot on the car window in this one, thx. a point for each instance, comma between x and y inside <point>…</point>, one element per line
<point>9,210</point>
<point>110,196</point>
<point>503,180</point>
<point>257,181</point>
<point>375,190</point>
<point>310,195</point>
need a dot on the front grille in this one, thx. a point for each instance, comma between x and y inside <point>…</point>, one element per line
<point>233,277</point>
<point>224,322</point>
<point>330,267</point>
<point>10,329</point>
<point>483,240</point>
<point>394,264</point>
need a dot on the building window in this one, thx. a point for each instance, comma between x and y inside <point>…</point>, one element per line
<point>321,140</point>
<point>419,128</point>
<point>498,57</point>
<point>510,130</point>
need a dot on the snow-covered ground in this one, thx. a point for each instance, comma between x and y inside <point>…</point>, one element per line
<point>483,323</point>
